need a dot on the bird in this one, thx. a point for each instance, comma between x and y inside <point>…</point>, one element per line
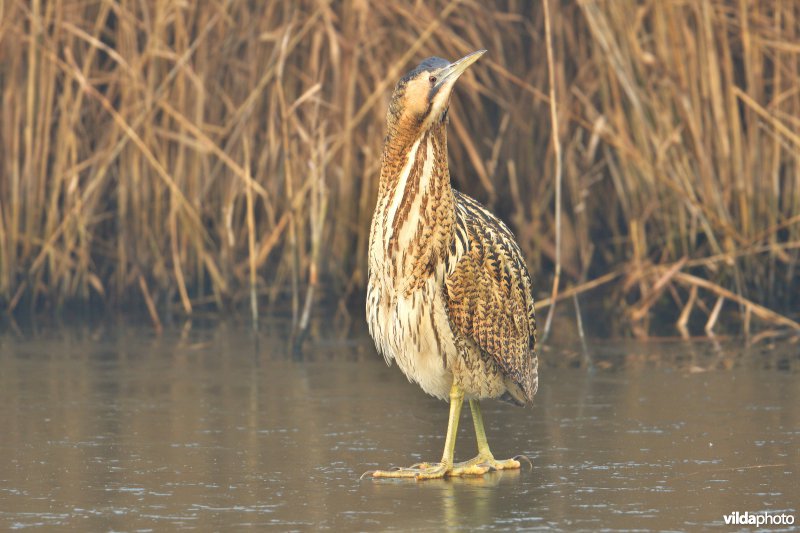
<point>449,295</point>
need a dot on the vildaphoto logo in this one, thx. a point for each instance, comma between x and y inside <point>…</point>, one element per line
<point>758,519</point>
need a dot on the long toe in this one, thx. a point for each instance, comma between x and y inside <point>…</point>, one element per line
<point>420,471</point>
<point>468,468</point>
<point>506,464</point>
<point>486,464</point>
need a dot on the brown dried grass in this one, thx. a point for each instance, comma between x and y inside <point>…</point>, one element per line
<point>167,153</point>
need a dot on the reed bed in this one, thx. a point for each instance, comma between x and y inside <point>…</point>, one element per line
<point>180,156</point>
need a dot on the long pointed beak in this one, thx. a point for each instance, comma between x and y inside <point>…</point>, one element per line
<point>449,74</point>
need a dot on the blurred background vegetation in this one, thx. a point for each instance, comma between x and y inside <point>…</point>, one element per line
<point>181,156</point>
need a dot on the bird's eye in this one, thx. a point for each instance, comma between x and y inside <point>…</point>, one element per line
<point>432,79</point>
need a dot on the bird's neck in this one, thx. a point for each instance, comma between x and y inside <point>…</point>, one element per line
<point>403,146</point>
<point>416,203</point>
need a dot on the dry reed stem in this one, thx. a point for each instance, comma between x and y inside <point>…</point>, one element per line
<point>712,318</point>
<point>643,308</point>
<point>222,150</point>
<point>251,237</point>
<point>579,289</point>
<point>758,310</point>
<point>683,320</point>
<point>557,154</point>
<point>151,307</point>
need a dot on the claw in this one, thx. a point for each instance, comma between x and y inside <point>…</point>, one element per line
<point>521,456</point>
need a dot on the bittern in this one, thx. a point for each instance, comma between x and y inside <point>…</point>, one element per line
<point>449,296</point>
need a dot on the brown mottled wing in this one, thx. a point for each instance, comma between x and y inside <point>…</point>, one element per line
<point>489,296</point>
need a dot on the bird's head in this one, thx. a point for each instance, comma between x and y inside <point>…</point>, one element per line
<point>421,97</point>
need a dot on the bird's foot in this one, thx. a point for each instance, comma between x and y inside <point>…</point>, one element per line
<point>423,471</point>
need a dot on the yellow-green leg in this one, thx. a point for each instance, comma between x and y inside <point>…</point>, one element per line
<point>485,457</point>
<point>445,467</point>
